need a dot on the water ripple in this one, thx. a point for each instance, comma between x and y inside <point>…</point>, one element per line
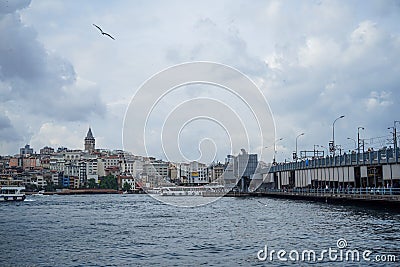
<point>136,230</point>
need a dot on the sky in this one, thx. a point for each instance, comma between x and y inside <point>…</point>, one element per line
<point>312,60</point>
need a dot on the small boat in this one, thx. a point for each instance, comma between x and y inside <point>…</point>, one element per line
<point>39,193</point>
<point>12,193</point>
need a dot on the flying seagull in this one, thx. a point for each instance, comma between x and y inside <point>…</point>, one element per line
<point>104,33</point>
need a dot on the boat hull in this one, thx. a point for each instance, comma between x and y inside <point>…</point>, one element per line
<point>6,198</point>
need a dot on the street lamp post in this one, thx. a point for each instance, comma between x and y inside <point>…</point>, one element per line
<point>333,133</point>
<point>358,138</point>
<point>276,141</point>
<point>296,143</point>
<point>395,140</point>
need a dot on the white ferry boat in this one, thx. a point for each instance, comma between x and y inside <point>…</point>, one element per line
<point>12,193</point>
<point>153,191</point>
<point>189,190</point>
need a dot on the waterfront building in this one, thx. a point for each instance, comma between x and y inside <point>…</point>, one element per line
<point>72,155</point>
<point>157,168</point>
<point>109,164</point>
<point>240,169</point>
<point>114,170</point>
<point>173,173</point>
<point>184,173</point>
<point>74,182</point>
<point>26,151</point>
<point>57,163</point>
<point>100,167</point>
<point>65,181</point>
<point>112,161</point>
<point>45,162</point>
<point>46,150</point>
<point>246,164</point>
<point>127,163</point>
<point>4,163</point>
<point>54,177</point>
<point>229,178</point>
<point>155,173</point>
<point>61,149</point>
<point>215,171</point>
<point>193,173</point>
<point>26,178</point>
<point>30,163</point>
<point>82,173</point>
<point>137,167</point>
<point>88,169</point>
<point>126,179</point>
<point>39,181</point>
<point>198,173</point>
<point>15,162</point>
<point>71,169</point>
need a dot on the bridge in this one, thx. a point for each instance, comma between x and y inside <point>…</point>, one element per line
<point>371,169</point>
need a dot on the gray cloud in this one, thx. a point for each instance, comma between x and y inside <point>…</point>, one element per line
<point>10,6</point>
<point>41,82</point>
<point>213,42</point>
<point>7,131</point>
<point>314,60</point>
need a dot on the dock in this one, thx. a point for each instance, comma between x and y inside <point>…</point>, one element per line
<point>367,196</point>
<point>385,198</point>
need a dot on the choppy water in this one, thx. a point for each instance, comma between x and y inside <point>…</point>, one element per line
<point>136,230</point>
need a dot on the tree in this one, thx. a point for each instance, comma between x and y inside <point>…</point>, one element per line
<point>126,187</point>
<point>31,187</point>
<point>109,182</point>
<point>49,187</point>
<point>92,183</point>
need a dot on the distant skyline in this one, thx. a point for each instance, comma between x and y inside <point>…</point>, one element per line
<point>313,60</point>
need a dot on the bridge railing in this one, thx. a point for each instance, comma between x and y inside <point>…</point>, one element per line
<point>382,156</point>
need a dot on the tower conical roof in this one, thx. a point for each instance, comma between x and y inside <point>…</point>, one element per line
<point>89,134</point>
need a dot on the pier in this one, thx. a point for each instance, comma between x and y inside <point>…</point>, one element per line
<point>357,196</point>
<point>385,198</point>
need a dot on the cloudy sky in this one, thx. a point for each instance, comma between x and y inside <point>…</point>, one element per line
<point>313,60</point>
